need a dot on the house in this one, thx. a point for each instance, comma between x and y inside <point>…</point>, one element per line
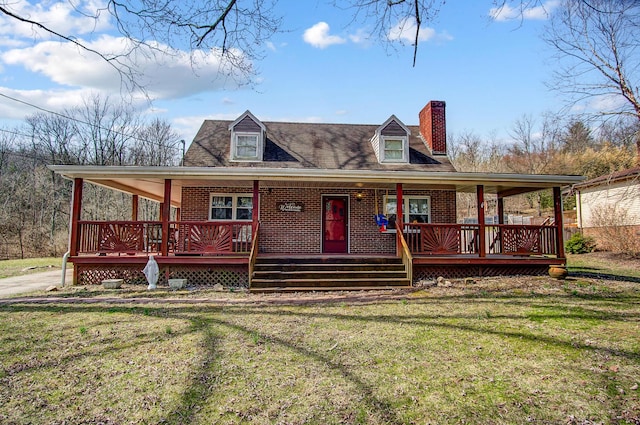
<point>280,205</point>
<point>608,209</point>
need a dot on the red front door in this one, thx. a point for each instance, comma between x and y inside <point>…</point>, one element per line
<point>334,224</point>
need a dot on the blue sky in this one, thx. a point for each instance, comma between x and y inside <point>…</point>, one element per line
<point>489,71</point>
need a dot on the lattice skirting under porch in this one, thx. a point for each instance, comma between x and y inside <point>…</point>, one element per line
<point>462,271</point>
<point>229,276</point>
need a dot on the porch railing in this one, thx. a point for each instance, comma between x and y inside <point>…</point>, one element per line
<point>211,237</point>
<point>508,239</point>
<point>500,239</point>
<point>185,237</point>
<point>442,239</point>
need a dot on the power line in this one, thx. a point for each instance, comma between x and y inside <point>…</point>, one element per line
<point>83,122</point>
<point>16,133</point>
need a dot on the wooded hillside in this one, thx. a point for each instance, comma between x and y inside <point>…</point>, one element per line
<point>34,212</point>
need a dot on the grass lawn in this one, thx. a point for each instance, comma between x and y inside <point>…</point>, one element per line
<point>604,264</point>
<point>9,268</point>
<point>500,351</point>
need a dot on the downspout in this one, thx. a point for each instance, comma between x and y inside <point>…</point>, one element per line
<point>65,257</point>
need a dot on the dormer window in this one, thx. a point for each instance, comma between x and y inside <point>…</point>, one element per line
<point>391,142</point>
<point>246,146</point>
<point>393,149</point>
<point>247,138</point>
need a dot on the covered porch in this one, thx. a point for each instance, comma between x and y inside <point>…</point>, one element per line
<point>227,250</point>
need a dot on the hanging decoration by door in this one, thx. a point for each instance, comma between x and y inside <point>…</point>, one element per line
<point>381,219</point>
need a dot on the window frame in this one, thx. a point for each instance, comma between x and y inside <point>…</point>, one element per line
<point>234,206</point>
<point>405,148</point>
<point>405,209</point>
<point>234,146</point>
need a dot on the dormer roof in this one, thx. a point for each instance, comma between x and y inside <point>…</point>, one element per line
<point>247,122</point>
<point>247,138</point>
<point>393,127</point>
<point>391,142</point>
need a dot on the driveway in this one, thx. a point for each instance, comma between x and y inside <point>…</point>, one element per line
<point>32,282</point>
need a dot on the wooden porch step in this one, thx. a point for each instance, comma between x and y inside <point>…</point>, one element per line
<point>335,282</point>
<point>328,273</point>
<point>326,267</point>
<point>326,288</point>
<point>347,259</point>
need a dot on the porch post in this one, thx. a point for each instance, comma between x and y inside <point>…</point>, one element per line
<point>399,217</point>
<point>178,214</point>
<point>76,210</point>
<point>165,212</point>
<point>557,211</point>
<point>500,210</point>
<point>481,221</point>
<point>256,206</point>
<point>134,207</point>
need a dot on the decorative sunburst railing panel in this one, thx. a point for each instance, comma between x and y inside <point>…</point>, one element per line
<point>441,240</point>
<point>210,239</point>
<point>121,237</point>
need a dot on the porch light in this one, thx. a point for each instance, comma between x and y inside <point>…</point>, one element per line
<point>359,196</point>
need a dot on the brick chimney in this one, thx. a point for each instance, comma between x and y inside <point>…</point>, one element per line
<point>433,126</point>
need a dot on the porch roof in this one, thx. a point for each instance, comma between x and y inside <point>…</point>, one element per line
<point>148,182</point>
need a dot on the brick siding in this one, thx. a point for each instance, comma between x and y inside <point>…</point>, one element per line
<point>300,232</point>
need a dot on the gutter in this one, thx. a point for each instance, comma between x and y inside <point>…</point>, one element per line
<point>309,174</point>
<point>65,257</point>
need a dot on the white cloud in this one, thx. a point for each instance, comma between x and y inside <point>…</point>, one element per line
<point>270,46</point>
<point>177,74</point>
<point>405,31</point>
<point>51,100</point>
<point>608,103</point>
<point>507,13</point>
<point>59,16</point>
<point>360,37</point>
<point>188,126</point>
<point>318,36</point>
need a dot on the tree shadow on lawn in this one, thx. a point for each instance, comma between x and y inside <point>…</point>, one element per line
<point>201,387</point>
<point>584,273</point>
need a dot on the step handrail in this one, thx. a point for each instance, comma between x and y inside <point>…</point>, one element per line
<point>405,255</point>
<point>253,255</point>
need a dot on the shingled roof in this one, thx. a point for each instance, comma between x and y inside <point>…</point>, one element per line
<point>311,145</point>
<point>615,177</point>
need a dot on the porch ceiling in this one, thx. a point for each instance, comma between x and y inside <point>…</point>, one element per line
<point>148,182</point>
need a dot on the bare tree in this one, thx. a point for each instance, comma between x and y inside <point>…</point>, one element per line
<point>54,138</point>
<point>597,42</point>
<point>107,130</point>
<point>157,144</point>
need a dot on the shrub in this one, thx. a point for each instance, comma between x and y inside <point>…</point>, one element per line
<point>580,244</point>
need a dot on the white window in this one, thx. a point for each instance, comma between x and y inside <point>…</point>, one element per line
<point>246,146</point>
<point>415,209</point>
<point>394,149</point>
<point>231,207</point>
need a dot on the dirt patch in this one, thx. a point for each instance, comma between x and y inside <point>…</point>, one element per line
<point>578,284</point>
